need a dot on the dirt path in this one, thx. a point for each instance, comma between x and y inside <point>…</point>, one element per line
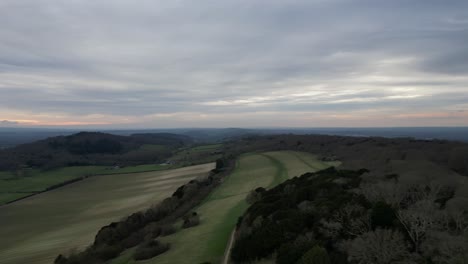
<point>227,254</point>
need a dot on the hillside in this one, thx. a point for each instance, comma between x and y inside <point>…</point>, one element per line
<point>407,206</point>
<point>92,148</point>
<point>379,155</point>
<point>343,217</point>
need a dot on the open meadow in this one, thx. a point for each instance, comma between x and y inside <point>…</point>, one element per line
<point>37,229</point>
<point>220,211</point>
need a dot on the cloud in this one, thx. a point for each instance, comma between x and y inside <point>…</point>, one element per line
<point>8,123</point>
<point>131,63</point>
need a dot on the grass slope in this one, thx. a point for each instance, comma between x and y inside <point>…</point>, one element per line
<point>220,211</point>
<point>37,229</point>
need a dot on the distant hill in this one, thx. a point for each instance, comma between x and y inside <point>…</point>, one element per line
<point>92,148</point>
<point>10,137</point>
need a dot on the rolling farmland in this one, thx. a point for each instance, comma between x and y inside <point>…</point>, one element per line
<point>41,227</point>
<point>220,211</point>
<point>35,181</point>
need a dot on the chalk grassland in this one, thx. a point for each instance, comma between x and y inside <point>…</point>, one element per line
<point>37,229</point>
<point>220,211</point>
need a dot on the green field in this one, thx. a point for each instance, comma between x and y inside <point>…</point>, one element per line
<point>37,229</point>
<point>197,154</point>
<point>34,180</point>
<point>31,181</point>
<point>211,147</point>
<point>220,211</point>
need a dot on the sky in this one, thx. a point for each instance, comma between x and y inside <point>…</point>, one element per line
<point>239,63</point>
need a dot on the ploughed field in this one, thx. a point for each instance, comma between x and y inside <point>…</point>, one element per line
<point>37,229</point>
<point>222,208</point>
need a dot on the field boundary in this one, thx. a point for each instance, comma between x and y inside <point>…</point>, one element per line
<point>281,171</point>
<point>53,187</point>
<point>305,162</point>
<point>81,178</point>
<point>227,253</point>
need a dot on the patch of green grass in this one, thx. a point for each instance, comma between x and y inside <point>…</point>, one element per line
<point>149,147</point>
<point>5,175</point>
<point>197,155</point>
<point>54,222</point>
<point>7,197</point>
<point>281,172</point>
<point>211,147</point>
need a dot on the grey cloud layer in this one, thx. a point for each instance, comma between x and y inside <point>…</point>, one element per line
<point>143,58</point>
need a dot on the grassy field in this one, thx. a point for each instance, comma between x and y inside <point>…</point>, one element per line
<point>211,147</point>
<point>37,229</point>
<point>31,181</point>
<point>34,180</point>
<point>197,154</point>
<point>220,211</point>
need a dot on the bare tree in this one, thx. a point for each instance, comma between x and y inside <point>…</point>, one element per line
<point>415,206</point>
<point>381,246</point>
<point>418,219</point>
<point>457,215</point>
<point>352,219</point>
<point>330,229</point>
<point>445,248</point>
<point>392,193</point>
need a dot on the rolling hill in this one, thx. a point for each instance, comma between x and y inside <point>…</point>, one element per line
<point>92,148</point>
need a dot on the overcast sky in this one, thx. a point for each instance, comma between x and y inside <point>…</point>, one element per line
<point>239,63</point>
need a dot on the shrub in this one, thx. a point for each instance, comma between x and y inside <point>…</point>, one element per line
<point>255,195</point>
<point>150,249</point>
<point>377,247</point>
<point>133,239</point>
<point>220,164</point>
<point>316,255</point>
<point>260,244</point>
<point>60,259</point>
<point>292,252</point>
<point>152,230</point>
<point>191,220</point>
<point>106,252</point>
<point>382,215</point>
<point>167,230</point>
